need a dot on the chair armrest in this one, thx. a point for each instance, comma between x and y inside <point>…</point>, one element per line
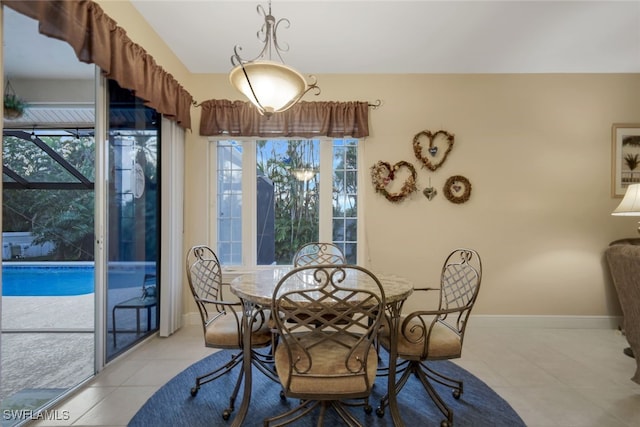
<point>219,302</point>
<point>427,319</point>
<point>428,324</point>
<point>435,314</point>
<point>417,327</point>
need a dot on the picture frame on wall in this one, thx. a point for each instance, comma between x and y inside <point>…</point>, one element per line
<point>625,157</point>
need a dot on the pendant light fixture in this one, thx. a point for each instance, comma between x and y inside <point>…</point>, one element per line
<point>270,85</point>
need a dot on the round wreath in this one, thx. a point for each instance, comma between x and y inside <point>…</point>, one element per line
<point>449,189</point>
<point>417,147</point>
<point>382,173</point>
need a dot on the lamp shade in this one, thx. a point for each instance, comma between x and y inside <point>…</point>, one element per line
<point>303,174</point>
<point>630,204</point>
<point>270,86</point>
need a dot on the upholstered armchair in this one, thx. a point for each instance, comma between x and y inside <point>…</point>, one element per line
<point>624,263</point>
<point>221,318</point>
<point>325,356</point>
<point>429,335</point>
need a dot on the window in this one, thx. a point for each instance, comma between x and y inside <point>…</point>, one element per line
<point>273,195</point>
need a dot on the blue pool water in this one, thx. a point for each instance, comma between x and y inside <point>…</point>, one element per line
<point>46,281</point>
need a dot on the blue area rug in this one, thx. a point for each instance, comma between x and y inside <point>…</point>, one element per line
<point>172,405</point>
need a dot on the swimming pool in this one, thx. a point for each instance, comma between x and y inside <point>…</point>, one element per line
<point>47,280</point>
<point>70,278</point>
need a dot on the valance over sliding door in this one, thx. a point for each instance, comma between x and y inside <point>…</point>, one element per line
<point>97,39</point>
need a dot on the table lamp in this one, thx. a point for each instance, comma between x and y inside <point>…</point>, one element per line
<point>630,204</point>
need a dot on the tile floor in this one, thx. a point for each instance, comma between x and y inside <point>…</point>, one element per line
<point>551,377</point>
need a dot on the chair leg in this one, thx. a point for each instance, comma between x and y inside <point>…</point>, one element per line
<point>323,410</point>
<point>435,397</point>
<point>424,375</point>
<point>346,416</point>
<point>306,407</point>
<point>232,399</point>
<point>364,402</point>
<point>383,371</point>
<point>265,363</point>
<point>290,416</point>
<point>217,373</point>
<point>406,372</point>
<point>444,380</point>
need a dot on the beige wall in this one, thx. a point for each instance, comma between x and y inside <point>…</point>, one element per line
<point>536,149</point>
<point>141,33</point>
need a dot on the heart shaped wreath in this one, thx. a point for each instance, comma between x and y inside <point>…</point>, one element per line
<point>382,173</point>
<point>433,147</point>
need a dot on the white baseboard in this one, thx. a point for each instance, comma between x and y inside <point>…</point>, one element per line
<point>551,322</point>
<point>512,321</point>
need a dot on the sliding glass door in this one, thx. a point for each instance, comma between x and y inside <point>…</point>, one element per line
<point>133,221</point>
<point>81,217</point>
<point>48,301</point>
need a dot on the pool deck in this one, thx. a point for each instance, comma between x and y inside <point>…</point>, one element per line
<point>54,313</point>
<point>38,313</point>
<point>32,355</point>
<point>45,339</point>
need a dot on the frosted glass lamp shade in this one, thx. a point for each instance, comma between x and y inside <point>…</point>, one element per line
<point>630,204</point>
<point>303,174</point>
<point>276,86</point>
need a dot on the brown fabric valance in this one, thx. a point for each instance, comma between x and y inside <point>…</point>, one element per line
<point>97,39</point>
<point>305,119</point>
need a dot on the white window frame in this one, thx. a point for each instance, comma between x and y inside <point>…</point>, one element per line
<point>249,209</point>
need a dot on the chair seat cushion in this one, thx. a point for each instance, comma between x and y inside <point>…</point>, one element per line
<point>224,333</point>
<point>328,374</point>
<point>444,343</point>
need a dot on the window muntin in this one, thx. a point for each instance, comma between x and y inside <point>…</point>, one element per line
<point>345,197</point>
<point>229,202</point>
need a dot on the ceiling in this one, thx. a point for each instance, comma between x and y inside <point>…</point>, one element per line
<point>358,36</point>
<point>408,36</point>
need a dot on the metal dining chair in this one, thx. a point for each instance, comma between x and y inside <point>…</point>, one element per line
<point>221,319</point>
<point>326,325</point>
<point>318,253</point>
<point>426,336</point>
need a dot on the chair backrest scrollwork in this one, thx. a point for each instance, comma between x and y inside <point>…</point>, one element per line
<point>318,253</point>
<point>459,285</point>
<point>204,275</point>
<point>328,314</point>
<point>460,280</point>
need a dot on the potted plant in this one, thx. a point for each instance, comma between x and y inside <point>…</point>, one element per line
<point>14,106</point>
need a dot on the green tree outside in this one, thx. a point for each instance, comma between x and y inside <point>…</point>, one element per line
<point>63,217</point>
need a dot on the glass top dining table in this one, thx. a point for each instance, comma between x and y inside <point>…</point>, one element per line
<point>257,286</point>
<point>255,289</point>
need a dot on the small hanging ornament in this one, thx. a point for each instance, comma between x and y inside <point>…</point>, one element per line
<point>430,192</point>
